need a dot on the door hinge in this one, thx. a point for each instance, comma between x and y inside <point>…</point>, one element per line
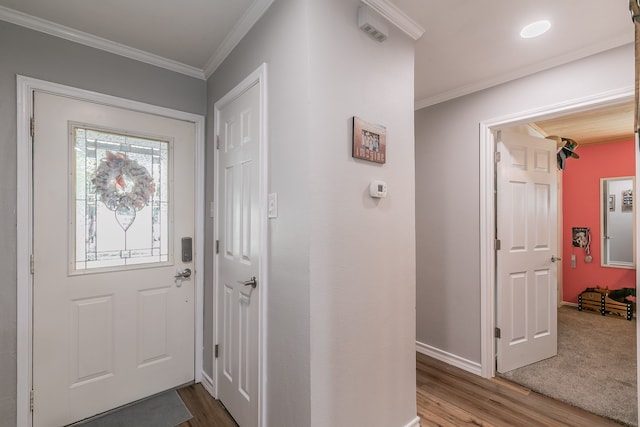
<point>31,264</point>
<point>497,333</point>
<point>216,351</point>
<point>498,244</point>
<point>31,400</point>
<point>218,142</point>
<point>497,156</point>
<point>217,246</point>
<point>32,127</point>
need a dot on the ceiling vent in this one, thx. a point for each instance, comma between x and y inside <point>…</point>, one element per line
<point>372,23</point>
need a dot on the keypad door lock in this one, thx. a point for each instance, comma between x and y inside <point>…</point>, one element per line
<point>187,249</point>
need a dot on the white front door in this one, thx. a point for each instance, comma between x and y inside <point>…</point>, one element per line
<point>113,198</point>
<point>238,177</point>
<point>527,230</point>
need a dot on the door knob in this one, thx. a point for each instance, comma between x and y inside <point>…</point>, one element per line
<point>183,274</point>
<point>252,282</point>
<point>555,258</point>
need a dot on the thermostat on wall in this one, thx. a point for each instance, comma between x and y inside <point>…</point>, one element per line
<point>378,189</point>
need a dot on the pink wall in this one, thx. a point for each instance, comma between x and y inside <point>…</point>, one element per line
<point>581,208</point>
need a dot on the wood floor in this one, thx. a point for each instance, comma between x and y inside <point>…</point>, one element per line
<point>206,411</point>
<point>447,397</point>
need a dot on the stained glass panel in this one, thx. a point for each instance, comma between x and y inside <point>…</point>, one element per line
<point>121,199</point>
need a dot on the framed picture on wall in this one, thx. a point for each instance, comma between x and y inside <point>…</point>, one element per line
<point>369,141</point>
<point>580,237</point>
<point>627,201</point>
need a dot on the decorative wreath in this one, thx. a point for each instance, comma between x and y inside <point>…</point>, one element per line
<point>123,184</point>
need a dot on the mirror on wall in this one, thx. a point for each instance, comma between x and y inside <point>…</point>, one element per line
<point>617,224</point>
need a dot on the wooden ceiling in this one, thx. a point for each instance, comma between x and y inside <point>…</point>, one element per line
<point>606,124</point>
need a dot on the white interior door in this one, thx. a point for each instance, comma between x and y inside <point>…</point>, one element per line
<point>238,178</point>
<point>113,198</point>
<point>527,230</point>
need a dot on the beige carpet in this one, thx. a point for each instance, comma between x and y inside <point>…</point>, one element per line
<point>595,368</point>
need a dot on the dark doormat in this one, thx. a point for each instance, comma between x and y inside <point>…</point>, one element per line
<point>162,410</point>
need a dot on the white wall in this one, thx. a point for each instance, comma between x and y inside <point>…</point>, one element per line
<point>448,217</point>
<point>362,250</point>
<point>341,323</point>
<point>280,38</point>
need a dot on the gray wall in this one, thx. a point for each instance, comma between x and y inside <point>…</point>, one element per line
<point>34,54</point>
<point>280,38</point>
<point>448,193</point>
<point>341,303</point>
<point>362,249</point>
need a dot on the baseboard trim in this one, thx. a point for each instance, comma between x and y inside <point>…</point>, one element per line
<point>414,422</point>
<point>207,383</point>
<point>451,359</point>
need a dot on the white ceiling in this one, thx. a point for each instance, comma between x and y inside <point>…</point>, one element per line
<point>468,45</point>
<point>186,31</point>
<point>194,35</point>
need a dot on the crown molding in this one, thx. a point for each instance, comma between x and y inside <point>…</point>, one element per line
<point>242,27</point>
<point>397,17</point>
<point>523,72</point>
<point>71,34</point>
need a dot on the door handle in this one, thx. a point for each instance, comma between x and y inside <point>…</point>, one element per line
<point>183,274</point>
<point>555,258</point>
<point>252,282</point>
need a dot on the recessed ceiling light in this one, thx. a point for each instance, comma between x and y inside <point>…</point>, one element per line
<point>535,29</point>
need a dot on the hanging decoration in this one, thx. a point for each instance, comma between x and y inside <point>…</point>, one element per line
<point>124,186</point>
<point>566,149</point>
<point>581,238</point>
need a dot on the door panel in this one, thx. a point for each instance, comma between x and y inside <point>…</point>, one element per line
<point>238,261</point>
<point>526,227</point>
<point>91,339</point>
<point>110,323</point>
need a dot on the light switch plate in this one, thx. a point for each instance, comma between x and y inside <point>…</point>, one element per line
<point>273,205</point>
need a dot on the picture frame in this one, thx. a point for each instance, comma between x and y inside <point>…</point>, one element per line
<point>369,141</point>
<point>627,201</point>
<point>580,237</point>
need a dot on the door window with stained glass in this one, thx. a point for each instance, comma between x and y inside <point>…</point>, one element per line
<point>121,201</point>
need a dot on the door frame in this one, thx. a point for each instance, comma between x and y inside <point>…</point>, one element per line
<point>488,212</point>
<point>257,77</point>
<point>26,86</point>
